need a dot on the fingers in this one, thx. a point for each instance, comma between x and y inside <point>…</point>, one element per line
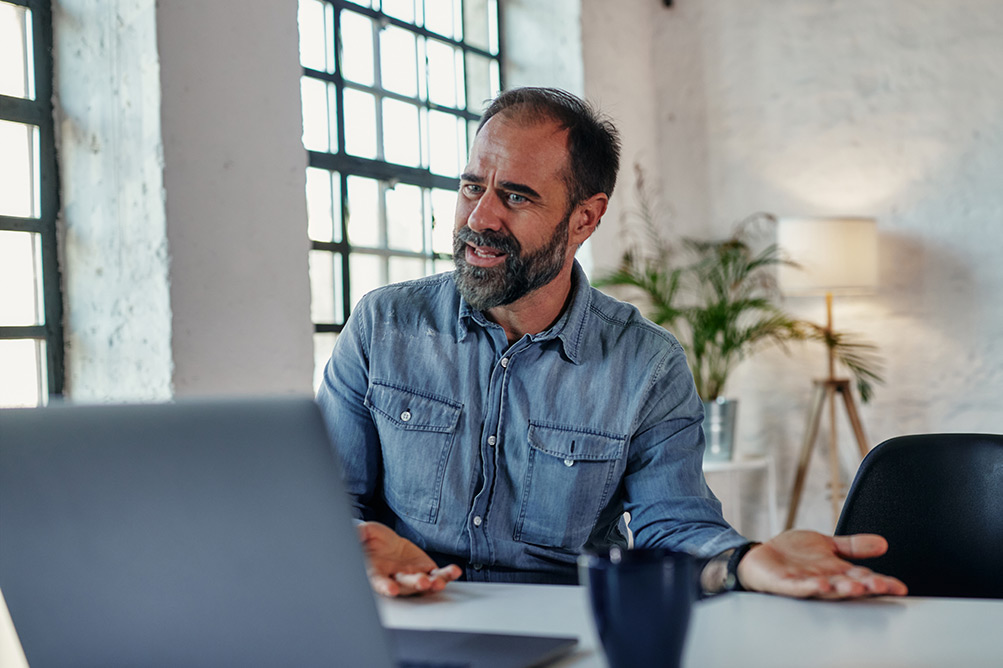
<point>412,584</point>
<point>861,545</point>
<point>384,586</point>
<point>855,583</point>
<point>447,573</point>
<point>415,583</point>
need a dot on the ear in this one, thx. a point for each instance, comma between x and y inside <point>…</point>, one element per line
<point>585,218</point>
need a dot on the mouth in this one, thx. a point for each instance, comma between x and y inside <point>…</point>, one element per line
<point>484,256</point>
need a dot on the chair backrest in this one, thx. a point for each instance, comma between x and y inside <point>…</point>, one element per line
<point>938,499</point>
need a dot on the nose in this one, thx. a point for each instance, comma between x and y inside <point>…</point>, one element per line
<point>486,214</point>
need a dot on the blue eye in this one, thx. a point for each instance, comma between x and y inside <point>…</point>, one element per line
<point>515,198</point>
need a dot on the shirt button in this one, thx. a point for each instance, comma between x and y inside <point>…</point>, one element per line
<point>477,567</point>
<point>405,416</point>
<point>504,362</point>
<point>492,440</point>
<point>569,462</point>
<point>477,521</point>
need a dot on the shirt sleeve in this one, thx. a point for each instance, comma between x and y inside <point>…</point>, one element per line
<point>350,426</point>
<point>668,499</point>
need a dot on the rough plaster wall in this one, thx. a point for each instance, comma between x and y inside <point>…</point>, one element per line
<point>236,210</point>
<point>892,110</point>
<point>114,259</point>
<point>543,44</point>
<point>619,72</point>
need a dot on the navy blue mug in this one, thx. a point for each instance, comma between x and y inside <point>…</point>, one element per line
<point>641,601</point>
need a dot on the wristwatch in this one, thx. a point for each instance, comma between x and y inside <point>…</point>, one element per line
<point>731,581</point>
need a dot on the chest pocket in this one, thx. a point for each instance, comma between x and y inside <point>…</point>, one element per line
<point>569,476</point>
<point>416,430</point>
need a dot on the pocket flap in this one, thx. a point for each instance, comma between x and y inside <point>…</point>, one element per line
<point>409,409</point>
<point>575,444</point>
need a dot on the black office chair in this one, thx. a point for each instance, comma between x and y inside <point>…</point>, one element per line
<point>938,499</point>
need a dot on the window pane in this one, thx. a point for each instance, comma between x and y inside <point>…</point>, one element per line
<point>442,74</point>
<point>363,212</point>
<point>475,23</point>
<point>405,269</point>
<point>367,274</point>
<point>20,278</point>
<point>404,218</point>
<point>18,169</point>
<point>400,133</point>
<point>495,83</point>
<point>315,35</point>
<point>323,204</point>
<point>441,17</point>
<point>443,214</point>
<point>398,61</point>
<point>480,82</point>
<point>357,48</point>
<point>363,3</point>
<point>322,286</point>
<point>24,373</point>
<point>323,343</point>
<point>399,9</point>
<point>16,74</point>
<point>446,143</point>
<point>319,115</point>
<point>326,303</point>
<point>360,124</point>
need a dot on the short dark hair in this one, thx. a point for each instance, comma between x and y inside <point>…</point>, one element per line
<point>593,140</point>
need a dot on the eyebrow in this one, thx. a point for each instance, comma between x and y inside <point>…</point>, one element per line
<point>512,186</point>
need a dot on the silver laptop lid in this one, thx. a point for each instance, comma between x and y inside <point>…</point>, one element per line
<point>189,534</point>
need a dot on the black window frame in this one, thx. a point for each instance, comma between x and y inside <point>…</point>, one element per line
<point>346,165</point>
<point>39,112</point>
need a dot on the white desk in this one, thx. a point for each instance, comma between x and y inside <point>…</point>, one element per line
<point>749,630</point>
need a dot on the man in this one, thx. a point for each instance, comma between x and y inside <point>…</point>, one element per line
<point>496,421</point>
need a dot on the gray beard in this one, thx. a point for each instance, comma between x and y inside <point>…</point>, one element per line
<point>487,287</point>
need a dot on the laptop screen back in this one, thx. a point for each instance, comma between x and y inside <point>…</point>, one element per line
<point>190,534</point>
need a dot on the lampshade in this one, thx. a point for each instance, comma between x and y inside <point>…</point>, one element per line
<point>837,255</point>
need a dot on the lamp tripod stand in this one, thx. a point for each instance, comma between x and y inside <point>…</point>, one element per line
<point>825,391</point>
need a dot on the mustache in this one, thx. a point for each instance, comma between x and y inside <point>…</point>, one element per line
<point>498,240</point>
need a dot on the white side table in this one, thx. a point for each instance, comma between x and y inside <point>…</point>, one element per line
<point>732,472</point>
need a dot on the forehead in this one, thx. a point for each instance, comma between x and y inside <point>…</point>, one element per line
<point>530,151</point>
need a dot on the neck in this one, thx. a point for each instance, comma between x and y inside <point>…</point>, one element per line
<point>537,311</point>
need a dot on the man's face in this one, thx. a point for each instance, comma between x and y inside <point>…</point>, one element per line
<point>512,213</point>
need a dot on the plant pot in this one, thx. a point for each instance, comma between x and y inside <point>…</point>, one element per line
<point>719,428</point>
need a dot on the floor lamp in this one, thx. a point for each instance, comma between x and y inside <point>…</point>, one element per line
<point>835,256</point>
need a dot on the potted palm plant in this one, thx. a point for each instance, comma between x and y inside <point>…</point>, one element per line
<point>720,299</point>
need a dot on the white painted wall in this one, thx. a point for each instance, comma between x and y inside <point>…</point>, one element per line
<point>810,107</point>
<point>619,73</point>
<point>236,209</point>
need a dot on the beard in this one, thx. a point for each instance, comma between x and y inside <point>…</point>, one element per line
<point>488,287</point>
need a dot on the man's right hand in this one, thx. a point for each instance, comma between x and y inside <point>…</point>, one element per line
<point>398,567</point>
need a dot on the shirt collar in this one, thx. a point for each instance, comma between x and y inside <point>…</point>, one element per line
<point>569,328</point>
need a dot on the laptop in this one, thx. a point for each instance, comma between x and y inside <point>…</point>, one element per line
<point>208,533</point>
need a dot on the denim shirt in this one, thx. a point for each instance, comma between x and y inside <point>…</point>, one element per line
<point>509,460</point>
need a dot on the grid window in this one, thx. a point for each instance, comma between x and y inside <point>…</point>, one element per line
<point>392,91</point>
<point>31,337</point>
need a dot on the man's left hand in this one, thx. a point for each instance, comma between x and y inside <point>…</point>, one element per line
<point>807,564</point>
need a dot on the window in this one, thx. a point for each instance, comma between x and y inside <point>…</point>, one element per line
<point>31,335</point>
<point>392,91</point>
